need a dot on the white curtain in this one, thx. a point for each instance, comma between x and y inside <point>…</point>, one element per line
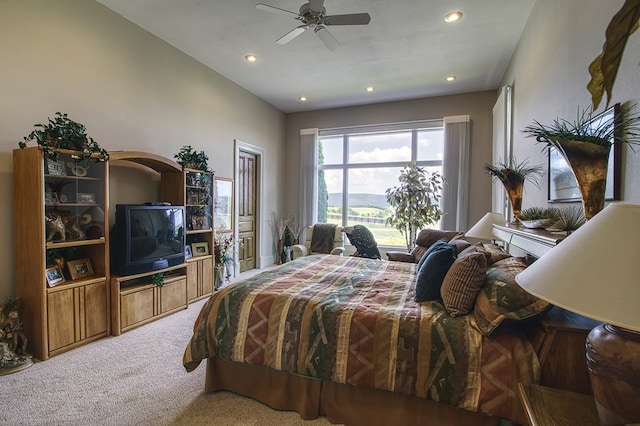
<point>502,143</point>
<point>455,170</point>
<point>308,177</point>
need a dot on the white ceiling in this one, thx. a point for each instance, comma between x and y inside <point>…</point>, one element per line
<point>405,52</point>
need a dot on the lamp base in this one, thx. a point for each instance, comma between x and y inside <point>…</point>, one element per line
<point>613,359</point>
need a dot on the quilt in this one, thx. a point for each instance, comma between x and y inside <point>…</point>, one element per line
<point>354,320</point>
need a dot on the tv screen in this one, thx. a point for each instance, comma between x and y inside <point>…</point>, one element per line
<point>147,238</point>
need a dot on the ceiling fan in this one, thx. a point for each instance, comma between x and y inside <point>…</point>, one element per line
<point>313,16</point>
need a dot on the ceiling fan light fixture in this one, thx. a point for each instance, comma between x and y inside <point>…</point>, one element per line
<point>251,58</point>
<point>302,98</point>
<point>453,17</point>
<point>450,77</point>
<point>369,89</point>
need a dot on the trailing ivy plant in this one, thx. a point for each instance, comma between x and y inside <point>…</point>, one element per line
<point>188,158</point>
<point>415,201</point>
<point>63,133</point>
<point>158,279</point>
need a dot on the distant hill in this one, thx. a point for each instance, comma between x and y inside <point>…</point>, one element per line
<point>360,200</point>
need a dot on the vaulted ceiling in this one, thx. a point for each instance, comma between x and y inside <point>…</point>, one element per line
<point>406,51</point>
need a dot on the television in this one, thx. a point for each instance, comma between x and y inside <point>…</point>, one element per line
<point>146,238</point>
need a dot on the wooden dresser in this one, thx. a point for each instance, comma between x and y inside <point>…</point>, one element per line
<point>558,335</point>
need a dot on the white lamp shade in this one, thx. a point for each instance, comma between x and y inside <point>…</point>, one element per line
<point>483,229</point>
<point>594,271</point>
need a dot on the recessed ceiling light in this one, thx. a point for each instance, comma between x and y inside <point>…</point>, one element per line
<point>453,17</point>
<point>302,98</point>
<point>369,89</point>
<point>251,58</point>
<point>451,77</point>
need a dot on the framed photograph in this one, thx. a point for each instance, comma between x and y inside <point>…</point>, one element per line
<point>562,184</point>
<point>86,198</point>
<point>54,276</point>
<point>200,249</point>
<point>187,252</point>
<point>56,168</point>
<point>50,198</point>
<point>223,204</point>
<point>80,268</point>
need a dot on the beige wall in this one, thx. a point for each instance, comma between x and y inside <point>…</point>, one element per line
<point>131,90</point>
<point>477,105</point>
<point>549,74</point>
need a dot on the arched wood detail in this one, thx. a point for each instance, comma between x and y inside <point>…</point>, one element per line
<point>153,161</point>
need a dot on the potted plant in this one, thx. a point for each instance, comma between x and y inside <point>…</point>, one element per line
<point>188,158</point>
<point>538,217</point>
<point>414,202</point>
<point>513,178</point>
<point>585,144</point>
<point>64,133</point>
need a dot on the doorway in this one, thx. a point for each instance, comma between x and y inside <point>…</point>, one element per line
<point>249,189</point>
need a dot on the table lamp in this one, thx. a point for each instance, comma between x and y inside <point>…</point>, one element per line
<point>593,272</point>
<point>483,229</point>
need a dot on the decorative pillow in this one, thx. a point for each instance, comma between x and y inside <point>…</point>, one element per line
<point>497,253</point>
<point>464,280</point>
<point>437,245</point>
<point>427,237</point>
<point>432,272</point>
<point>502,298</point>
<point>460,243</point>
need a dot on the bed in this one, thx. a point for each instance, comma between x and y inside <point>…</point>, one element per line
<point>342,337</point>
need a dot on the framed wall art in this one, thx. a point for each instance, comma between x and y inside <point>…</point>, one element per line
<point>223,204</point>
<point>80,268</point>
<point>562,184</point>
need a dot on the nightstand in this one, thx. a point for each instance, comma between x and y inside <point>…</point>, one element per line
<point>560,344</point>
<point>545,406</point>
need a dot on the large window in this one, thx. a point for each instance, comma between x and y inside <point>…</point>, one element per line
<point>357,165</point>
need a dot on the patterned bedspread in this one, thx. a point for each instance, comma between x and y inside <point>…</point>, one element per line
<point>353,320</point>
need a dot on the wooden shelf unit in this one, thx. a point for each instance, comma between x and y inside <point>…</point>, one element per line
<point>61,317</point>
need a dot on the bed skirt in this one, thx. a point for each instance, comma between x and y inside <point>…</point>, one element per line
<point>339,403</point>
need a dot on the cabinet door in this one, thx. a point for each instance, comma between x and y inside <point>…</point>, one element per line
<point>61,319</point>
<point>206,276</point>
<point>95,309</point>
<point>173,295</point>
<point>136,306</point>
<point>192,280</point>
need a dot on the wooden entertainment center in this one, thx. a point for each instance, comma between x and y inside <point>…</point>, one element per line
<point>63,279</point>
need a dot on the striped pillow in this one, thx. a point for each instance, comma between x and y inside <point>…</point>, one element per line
<point>464,280</point>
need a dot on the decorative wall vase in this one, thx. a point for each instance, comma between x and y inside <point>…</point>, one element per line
<point>280,251</point>
<point>589,164</point>
<point>218,276</point>
<point>514,185</point>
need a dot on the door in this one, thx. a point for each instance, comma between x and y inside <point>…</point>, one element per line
<point>247,184</point>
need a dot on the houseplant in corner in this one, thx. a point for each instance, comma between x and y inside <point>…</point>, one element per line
<point>414,202</point>
<point>513,178</point>
<point>64,133</point>
<point>585,144</point>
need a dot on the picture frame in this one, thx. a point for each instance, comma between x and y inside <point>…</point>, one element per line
<point>187,252</point>
<point>54,276</point>
<point>200,249</point>
<point>80,268</point>
<point>223,204</point>
<point>86,198</point>
<point>56,168</point>
<point>562,184</point>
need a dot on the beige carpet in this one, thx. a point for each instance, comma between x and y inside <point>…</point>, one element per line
<point>133,379</point>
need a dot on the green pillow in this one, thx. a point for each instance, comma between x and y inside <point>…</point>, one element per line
<point>433,270</point>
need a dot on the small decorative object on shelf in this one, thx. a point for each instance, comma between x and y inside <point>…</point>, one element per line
<point>80,268</point>
<point>158,279</point>
<point>585,145</point>
<point>537,217</point>
<point>513,178</point>
<point>13,342</point>
<point>54,275</point>
<point>200,249</point>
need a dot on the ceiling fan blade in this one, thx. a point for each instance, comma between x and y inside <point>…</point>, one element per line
<point>348,19</point>
<point>291,34</point>
<point>327,38</point>
<point>267,8</point>
<point>316,5</point>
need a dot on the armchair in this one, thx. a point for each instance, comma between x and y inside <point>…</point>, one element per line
<point>335,245</point>
<point>424,240</point>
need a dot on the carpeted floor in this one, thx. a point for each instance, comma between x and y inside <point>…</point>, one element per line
<point>133,379</point>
